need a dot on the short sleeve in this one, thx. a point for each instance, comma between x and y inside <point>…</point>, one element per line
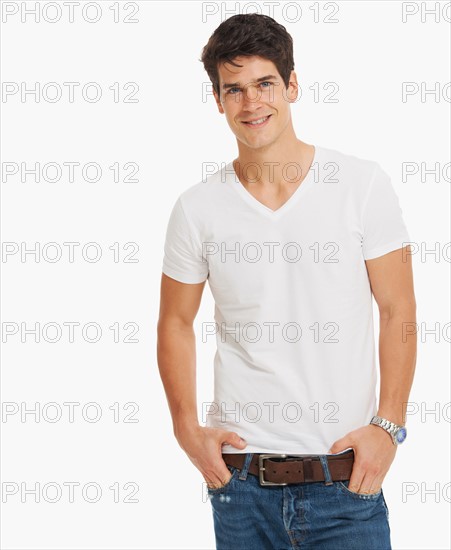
<point>383,225</point>
<point>183,259</point>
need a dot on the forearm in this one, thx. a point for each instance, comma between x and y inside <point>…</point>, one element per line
<point>176,356</point>
<point>397,356</point>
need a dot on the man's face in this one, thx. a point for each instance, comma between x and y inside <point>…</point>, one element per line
<point>250,100</point>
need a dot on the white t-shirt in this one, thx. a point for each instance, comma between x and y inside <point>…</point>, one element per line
<point>295,365</point>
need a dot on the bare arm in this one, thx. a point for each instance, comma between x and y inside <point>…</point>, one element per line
<point>391,281</point>
<point>176,349</point>
<point>176,357</point>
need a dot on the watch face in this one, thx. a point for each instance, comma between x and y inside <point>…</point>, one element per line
<point>401,435</point>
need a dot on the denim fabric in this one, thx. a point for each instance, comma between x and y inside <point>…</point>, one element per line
<point>304,516</point>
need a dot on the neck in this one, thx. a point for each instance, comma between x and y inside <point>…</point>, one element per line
<point>280,162</point>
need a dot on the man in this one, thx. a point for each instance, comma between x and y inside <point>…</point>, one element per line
<point>294,240</point>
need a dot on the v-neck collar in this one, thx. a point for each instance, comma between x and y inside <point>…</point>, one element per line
<point>234,181</point>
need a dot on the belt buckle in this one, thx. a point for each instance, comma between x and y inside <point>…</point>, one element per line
<point>261,468</point>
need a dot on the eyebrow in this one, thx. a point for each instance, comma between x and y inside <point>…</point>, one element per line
<point>236,84</point>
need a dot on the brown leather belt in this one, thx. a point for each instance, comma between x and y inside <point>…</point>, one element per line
<point>282,469</point>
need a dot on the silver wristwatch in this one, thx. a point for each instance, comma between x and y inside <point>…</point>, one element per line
<point>398,433</point>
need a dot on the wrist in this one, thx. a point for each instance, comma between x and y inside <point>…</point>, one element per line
<point>394,417</point>
<point>397,432</point>
<point>185,426</point>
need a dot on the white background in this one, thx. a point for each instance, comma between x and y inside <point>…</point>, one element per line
<point>169,133</point>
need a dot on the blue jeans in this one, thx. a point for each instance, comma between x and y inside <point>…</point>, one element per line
<point>304,516</point>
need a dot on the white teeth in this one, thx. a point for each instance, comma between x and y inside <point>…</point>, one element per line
<point>259,121</point>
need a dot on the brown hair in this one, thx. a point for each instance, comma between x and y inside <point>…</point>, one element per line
<point>247,35</point>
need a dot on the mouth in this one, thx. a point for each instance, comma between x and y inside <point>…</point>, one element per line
<point>257,123</point>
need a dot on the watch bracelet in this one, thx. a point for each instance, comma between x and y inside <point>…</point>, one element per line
<point>387,425</point>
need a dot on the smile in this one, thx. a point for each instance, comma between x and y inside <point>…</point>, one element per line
<point>257,123</point>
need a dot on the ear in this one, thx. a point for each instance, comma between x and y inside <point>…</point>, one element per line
<point>293,87</point>
<point>218,102</point>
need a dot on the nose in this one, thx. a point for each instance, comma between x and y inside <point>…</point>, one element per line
<point>251,98</point>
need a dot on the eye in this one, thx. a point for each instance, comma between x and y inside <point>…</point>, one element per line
<point>231,90</point>
<point>266,82</point>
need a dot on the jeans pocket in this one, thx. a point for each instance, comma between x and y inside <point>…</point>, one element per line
<point>223,488</point>
<point>343,486</point>
<point>385,507</point>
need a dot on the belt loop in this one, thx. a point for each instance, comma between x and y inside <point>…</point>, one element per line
<point>325,465</point>
<point>246,464</point>
<point>308,469</point>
